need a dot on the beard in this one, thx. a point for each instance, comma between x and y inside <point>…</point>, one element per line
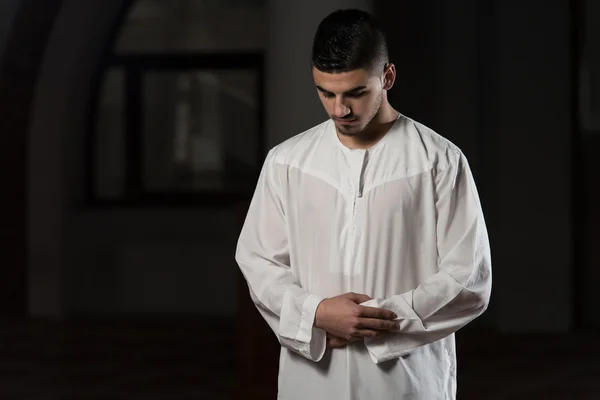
<point>359,128</point>
<point>352,130</point>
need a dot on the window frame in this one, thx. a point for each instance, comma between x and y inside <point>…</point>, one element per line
<point>134,67</point>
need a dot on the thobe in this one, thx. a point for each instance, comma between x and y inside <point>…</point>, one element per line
<point>400,222</point>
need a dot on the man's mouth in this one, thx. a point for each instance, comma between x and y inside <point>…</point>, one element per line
<point>346,121</point>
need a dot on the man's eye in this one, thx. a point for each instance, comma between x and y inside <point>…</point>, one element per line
<point>355,95</point>
<point>328,95</point>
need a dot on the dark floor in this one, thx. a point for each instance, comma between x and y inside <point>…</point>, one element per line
<point>545,367</point>
<point>51,360</point>
<point>110,359</point>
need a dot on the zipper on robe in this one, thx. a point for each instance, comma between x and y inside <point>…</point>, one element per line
<point>359,181</point>
<point>358,162</point>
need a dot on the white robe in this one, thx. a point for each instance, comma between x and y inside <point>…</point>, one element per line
<point>400,222</point>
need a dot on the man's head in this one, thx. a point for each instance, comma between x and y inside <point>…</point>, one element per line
<point>351,69</point>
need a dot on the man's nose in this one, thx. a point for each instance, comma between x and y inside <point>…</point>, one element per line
<point>341,109</point>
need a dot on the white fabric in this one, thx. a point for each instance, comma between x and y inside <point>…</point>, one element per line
<point>400,222</point>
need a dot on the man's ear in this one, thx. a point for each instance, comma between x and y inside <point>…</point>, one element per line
<point>389,76</point>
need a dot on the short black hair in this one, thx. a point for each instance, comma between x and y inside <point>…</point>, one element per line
<point>347,40</point>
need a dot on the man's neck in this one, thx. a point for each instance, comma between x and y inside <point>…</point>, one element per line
<point>374,132</point>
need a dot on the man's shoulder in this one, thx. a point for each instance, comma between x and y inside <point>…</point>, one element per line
<point>300,143</point>
<point>430,138</point>
<point>424,141</point>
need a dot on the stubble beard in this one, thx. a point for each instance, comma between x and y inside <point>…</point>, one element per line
<point>352,132</point>
<point>360,131</point>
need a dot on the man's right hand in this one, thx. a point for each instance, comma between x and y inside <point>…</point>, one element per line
<point>344,317</point>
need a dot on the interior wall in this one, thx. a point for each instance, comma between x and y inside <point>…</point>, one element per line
<point>589,122</point>
<point>26,26</point>
<point>110,261</point>
<point>533,128</point>
<point>13,97</point>
<point>8,8</point>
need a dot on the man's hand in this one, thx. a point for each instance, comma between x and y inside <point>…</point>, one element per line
<point>334,342</point>
<point>345,318</point>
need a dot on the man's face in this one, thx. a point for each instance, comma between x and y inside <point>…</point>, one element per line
<point>351,98</point>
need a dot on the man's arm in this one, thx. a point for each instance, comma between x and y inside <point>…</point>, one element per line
<point>263,257</point>
<point>460,290</point>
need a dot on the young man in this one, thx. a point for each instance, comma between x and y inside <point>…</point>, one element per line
<point>365,247</point>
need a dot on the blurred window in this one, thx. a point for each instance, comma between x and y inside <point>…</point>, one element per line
<point>179,112</point>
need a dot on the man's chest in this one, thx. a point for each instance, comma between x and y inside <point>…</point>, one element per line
<point>333,200</point>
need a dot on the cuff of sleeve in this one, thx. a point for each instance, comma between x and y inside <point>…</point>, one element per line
<point>381,352</point>
<point>297,332</point>
<point>380,349</point>
<point>377,350</point>
<point>314,339</point>
<point>389,347</point>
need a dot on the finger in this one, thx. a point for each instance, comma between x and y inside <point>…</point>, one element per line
<point>340,342</point>
<point>337,342</point>
<point>358,298</point>
<point>374,312</point>
<point>367,333</point>
<point>379,324</point>
<point>332,336</point>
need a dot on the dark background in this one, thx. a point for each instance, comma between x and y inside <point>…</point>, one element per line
<point>131,136</point>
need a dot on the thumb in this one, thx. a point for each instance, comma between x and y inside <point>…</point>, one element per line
<point>358,298</point>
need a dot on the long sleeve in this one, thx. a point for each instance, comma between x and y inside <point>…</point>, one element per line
<point>459,292</point>
<point>263,257</point>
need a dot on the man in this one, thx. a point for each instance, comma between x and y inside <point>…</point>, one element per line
<point>365,247</point>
